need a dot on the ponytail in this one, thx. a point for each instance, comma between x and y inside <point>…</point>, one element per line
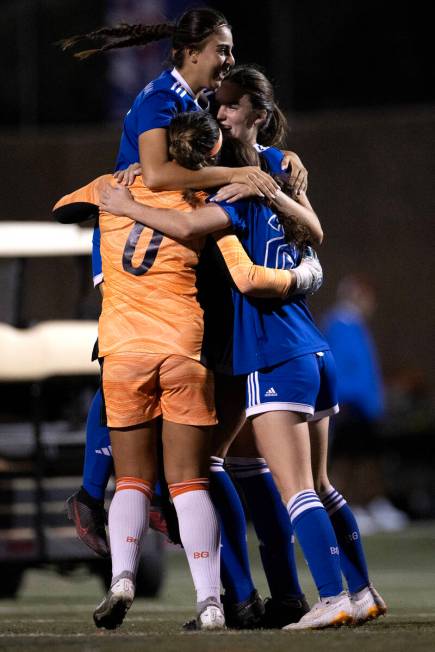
<point>122,36</point>
<point>191,30</point>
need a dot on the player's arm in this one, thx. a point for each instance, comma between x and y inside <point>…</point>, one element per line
<point>300,211</point>
<point>159,173</point>
<point>176,224</point>
<point>265,282</point>
<point>251,279</point>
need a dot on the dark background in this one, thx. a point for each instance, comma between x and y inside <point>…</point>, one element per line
<point>357,82</point>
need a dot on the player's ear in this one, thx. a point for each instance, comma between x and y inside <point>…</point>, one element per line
<point>192,54</point>
<point>260,117</point>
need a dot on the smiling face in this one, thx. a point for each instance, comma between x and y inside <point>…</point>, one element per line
<point>207,67</point>
<point>236,115</point>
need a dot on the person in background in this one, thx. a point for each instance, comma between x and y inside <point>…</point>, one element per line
<point>357,447</point>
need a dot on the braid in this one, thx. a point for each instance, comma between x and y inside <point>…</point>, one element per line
<point>127,35</point>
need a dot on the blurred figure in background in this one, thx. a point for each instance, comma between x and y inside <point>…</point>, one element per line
<point>356,460</point>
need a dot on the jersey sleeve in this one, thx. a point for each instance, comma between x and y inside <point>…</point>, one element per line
<point>97,264</point>
<point>251,279</point>
<point>89,194</point>
<point>235,214</point>
<point>84,201</point>
<point>156,111</point>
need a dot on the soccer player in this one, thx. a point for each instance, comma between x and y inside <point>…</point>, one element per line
<point>276,344</point>
<point>150,336</point>
<point>201,43</point>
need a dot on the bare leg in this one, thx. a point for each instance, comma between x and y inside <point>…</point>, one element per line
<point>134,451</point>
<point>283,439</point>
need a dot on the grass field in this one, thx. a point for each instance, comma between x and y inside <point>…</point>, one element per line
<point>56,613</point>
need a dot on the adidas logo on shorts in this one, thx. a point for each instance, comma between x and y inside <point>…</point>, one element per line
<point>271,392</point>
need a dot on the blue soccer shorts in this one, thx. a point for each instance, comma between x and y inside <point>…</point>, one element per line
<point>306,384</point>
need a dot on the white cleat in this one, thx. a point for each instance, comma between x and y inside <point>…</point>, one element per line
<point>112,610</point>
<point>328,612</point>
<point>210,615</point>
<point>367,605</point>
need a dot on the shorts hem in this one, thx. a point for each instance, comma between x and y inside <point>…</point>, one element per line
<point>274,407</point>
<point>134,422</point>
<point>321,414</point>
<point>191,422</point>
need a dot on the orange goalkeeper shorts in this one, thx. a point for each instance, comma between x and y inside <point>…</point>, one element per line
<point>139,387</point>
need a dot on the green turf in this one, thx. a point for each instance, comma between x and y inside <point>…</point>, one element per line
<point>56,613</point>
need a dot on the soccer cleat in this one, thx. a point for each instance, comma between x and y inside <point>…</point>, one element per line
<point>367,605</point>
<point>248,614</point>
<point>210,615</point>
<point>279,613</point>
<point>111,611</point>
<point>328,612</point>
<point>89,523</point>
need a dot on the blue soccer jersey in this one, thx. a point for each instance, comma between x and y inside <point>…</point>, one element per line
<point>267,331</point>
<point>273,157</point>
<point>154,108</point>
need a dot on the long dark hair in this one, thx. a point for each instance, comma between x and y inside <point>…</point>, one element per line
<point>190,30</point>
<point>234,153</point>
<point>254,83</point>
<point>192,137</point>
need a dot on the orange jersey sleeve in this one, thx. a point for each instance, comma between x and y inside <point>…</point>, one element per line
<point>251,279</point>
<point>88,193</point>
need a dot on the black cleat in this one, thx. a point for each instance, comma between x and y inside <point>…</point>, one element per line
<point>279,613</point>
<point>248,614</point>
<point>89,518</point>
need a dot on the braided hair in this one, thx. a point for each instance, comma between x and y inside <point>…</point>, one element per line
<point>190,30</point>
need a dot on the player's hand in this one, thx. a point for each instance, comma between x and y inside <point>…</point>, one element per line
<point>234,191</point>
<point>261,183</point>
<point>115,199</point>
<point>298,172</point>
<point>309,274</point>
<point>127,176</point>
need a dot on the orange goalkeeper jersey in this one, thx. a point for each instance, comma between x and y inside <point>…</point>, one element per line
<point>150,297</point>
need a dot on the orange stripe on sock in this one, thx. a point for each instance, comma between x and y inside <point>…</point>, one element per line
<point>128,482</point>
<point>196,484</point>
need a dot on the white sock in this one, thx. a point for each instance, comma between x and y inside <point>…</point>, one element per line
<point>128,523</point>
<point>200,535</point>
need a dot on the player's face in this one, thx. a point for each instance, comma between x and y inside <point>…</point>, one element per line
<point>236,116</point>
<point>216,59</point>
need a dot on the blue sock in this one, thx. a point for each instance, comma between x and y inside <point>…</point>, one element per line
<point>271,522</point>
<point>352,557</point>
<point>235,571</point>
<point>98,464</point>
<point>317,539</point>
